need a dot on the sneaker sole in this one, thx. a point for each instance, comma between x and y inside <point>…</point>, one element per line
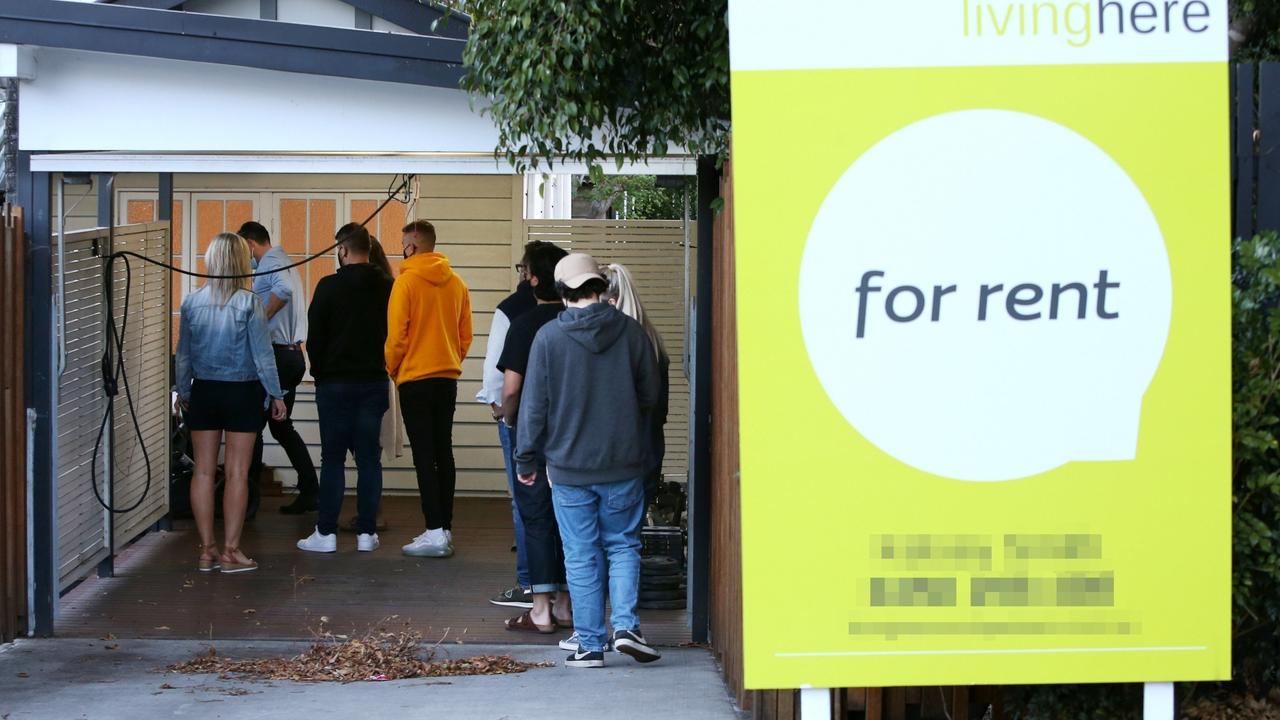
<point>515,604</point>
<point>375,547</point>
<point>428,553</point>
<point>584,663</point>
<point>640,653</point>
<point>573,647</point>
<point>314,550</point>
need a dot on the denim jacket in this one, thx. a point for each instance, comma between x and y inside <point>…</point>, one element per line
<point>226,342</point>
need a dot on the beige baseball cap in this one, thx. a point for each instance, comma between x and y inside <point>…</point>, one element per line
<point>577,268</point>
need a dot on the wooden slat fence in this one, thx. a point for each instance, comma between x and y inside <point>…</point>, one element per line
<point>654,252</point>
<point>13,474</point>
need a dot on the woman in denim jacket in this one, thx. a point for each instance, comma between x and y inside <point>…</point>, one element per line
<point>225,374</point>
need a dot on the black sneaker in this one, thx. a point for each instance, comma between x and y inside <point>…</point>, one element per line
<point>301,504</point>
<point>580,659</point>
<point>516,597</point>
<point>631,642</point>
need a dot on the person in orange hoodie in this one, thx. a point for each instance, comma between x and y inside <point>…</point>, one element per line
<point>428,335</point>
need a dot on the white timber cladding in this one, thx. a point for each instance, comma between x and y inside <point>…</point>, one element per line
<point>654,252</point>
<point>82,521</point>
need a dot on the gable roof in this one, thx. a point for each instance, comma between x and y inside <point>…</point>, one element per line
<point>339,52</point>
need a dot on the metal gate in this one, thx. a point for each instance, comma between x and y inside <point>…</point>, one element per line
<point>86,532</point>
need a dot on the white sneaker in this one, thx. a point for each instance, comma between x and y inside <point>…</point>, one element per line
<point>432,543</point>
<point>367,542</point>
<point>320,543</point>
<point>448,534</point>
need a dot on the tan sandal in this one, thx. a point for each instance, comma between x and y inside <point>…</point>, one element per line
<point>208,561</point>
<point>231,565</point>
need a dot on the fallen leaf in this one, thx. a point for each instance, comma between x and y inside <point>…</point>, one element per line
<point>166,686</point>
<point>111,647</point>
<point>163,627</point>
<point>249,611</point>
<point>24,675</point>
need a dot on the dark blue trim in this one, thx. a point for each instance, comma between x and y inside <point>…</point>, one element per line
<point>33,197</point>
<point>700,413</point>
<point>106,183</point>
<point>247,42</point>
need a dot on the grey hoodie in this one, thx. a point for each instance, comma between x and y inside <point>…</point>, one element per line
<point>591,375</point>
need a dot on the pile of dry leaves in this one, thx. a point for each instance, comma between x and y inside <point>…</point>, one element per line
<point>378,655</point>
<point>1238,707</point>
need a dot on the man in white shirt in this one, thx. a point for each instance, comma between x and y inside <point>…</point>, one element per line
<point>281,294</point>
<point>516,304</point>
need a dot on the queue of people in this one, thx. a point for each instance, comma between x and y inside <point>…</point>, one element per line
<point>575,378</point>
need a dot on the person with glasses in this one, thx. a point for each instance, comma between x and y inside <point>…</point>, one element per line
<point>515,305</point>
<point>552,605</point>
<point>428,335</point>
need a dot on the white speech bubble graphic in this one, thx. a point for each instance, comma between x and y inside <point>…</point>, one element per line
<point>987,198</point>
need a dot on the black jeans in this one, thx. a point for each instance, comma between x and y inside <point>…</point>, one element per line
<point>291,366</point>
<point>542,547</point>
<point>427,407</point>
<point>350,420</point>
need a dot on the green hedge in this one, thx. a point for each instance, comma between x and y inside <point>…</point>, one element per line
<point>1255,505</point>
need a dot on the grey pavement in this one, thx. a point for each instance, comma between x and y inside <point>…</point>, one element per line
<point>66,679</point>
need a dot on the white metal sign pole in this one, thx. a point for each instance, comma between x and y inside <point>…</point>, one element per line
<point>1157,701</point>
<point>815,703</point>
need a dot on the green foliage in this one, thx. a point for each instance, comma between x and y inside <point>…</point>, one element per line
<point>589,79</point>
<point>1255,507</point>
<point>1258,21</point>
<point>638,197</point>
<point>1256,472</point>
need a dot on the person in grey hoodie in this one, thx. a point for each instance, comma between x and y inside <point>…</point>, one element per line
<point>591,376</point>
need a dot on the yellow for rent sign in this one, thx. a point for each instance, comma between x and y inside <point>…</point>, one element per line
<point>984,340</point>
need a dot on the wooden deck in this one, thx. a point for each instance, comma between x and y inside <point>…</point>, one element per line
<point>158,594</point>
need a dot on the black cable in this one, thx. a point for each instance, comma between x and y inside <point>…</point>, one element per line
<point>300,263</point>
<point>113,372</point>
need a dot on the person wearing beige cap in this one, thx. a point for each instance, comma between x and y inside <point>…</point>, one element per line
<point>591,377</point>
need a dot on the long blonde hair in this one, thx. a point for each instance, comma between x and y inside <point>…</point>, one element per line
<point>622,294</point>
<point>228,254</point>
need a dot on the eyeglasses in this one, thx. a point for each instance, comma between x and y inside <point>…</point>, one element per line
<point>521,268</point>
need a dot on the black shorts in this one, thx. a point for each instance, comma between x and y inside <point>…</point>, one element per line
<point>230,406</point>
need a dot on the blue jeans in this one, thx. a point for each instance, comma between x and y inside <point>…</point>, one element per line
<point>600,529</point>
<point>522,557</point>
<point>350,420</point>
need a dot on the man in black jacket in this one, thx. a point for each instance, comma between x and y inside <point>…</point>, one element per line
<point>347,329</point>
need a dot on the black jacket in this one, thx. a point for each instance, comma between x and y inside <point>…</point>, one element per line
<point>347,325</point>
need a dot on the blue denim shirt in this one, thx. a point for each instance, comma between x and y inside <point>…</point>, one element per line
<point>289,325</point>
<point>227,342</point>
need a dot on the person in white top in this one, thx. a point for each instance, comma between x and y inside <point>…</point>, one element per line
<point>516,304</point>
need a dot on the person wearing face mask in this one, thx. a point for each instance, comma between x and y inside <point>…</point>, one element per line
<point>428,336</point>
<point>281,294</point>
<point>348,328</point>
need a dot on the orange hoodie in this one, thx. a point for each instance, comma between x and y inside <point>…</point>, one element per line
<point>428,320</point>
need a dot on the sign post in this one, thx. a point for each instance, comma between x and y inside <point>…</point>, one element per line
<point>984,342</point>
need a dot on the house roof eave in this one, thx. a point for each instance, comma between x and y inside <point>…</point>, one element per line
<point>246,42</point>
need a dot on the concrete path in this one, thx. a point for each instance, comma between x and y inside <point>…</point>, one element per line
<point>65,679</point>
